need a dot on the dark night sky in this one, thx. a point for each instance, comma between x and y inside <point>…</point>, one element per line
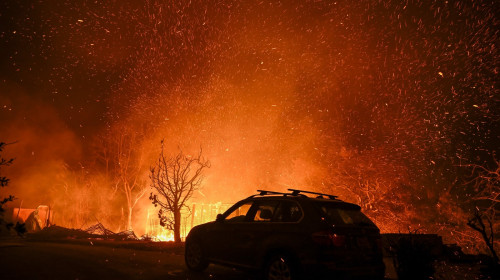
<point>52,51</point>
<point>73,55</point>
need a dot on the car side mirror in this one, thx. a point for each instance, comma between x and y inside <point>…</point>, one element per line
<point>219,218</point>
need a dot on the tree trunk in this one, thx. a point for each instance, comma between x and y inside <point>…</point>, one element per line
<point>129,221</point>
<point>177,226</point>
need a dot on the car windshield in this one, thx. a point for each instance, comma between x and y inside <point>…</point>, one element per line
<point>239,213</point>
<point>344,216</point>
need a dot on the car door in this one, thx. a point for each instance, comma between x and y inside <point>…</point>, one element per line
<point>222,243</point>
<point>249,237</point>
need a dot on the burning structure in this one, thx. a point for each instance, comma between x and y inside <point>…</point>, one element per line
<point>386,104</point>
<point>197,214</point>
<point>34,219</point>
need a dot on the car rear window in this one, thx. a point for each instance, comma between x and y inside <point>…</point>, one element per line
<point>344,216</point>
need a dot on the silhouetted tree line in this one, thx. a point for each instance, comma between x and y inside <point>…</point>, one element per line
<point>4,181</point>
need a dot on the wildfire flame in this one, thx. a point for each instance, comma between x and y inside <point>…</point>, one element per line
<point>164,235</point>
<point>377,102</point>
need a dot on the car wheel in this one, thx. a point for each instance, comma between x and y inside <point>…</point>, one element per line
<point>194,256</point>
<point>279,268</point>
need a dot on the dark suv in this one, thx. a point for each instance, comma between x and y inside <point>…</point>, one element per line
<point>290,235</point>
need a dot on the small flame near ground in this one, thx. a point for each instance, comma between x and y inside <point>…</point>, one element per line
<point>198,213</point>
<point>164,236</point>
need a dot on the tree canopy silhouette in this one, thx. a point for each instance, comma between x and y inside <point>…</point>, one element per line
<point>175,179</point>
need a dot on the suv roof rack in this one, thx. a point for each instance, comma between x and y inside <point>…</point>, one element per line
<point>320,195</point>
<point>264,192</point>
<point>294,192</point>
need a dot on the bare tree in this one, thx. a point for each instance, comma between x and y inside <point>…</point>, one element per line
<point>82,195</point>
<point>129,170</point>
<point>486,185</point>
<point>76,194</point>
<point>175,179</point>
<point>477,222</point>
<point>374,182</point>
<point>120,156</point>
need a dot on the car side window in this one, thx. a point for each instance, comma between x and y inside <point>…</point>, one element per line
<point>333,214</point>
<point>345,217</point>
<point>288,212</point>
<point>263,211</point>
<point>239,213</point>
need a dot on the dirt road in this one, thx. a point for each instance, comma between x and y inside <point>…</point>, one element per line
<point>49,260</point>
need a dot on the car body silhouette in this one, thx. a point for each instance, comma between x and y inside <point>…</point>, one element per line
<point>289,236</point>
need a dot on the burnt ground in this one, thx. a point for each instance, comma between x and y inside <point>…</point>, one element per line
<point>107,259</point>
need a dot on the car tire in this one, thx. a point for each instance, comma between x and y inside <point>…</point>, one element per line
<point>280,267</point>
<point>194,256</point>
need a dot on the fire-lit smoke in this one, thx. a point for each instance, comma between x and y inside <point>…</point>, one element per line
<point>380,102</point>
<point>41,144</point>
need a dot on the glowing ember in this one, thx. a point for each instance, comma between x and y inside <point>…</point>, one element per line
<point>388,104</point>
